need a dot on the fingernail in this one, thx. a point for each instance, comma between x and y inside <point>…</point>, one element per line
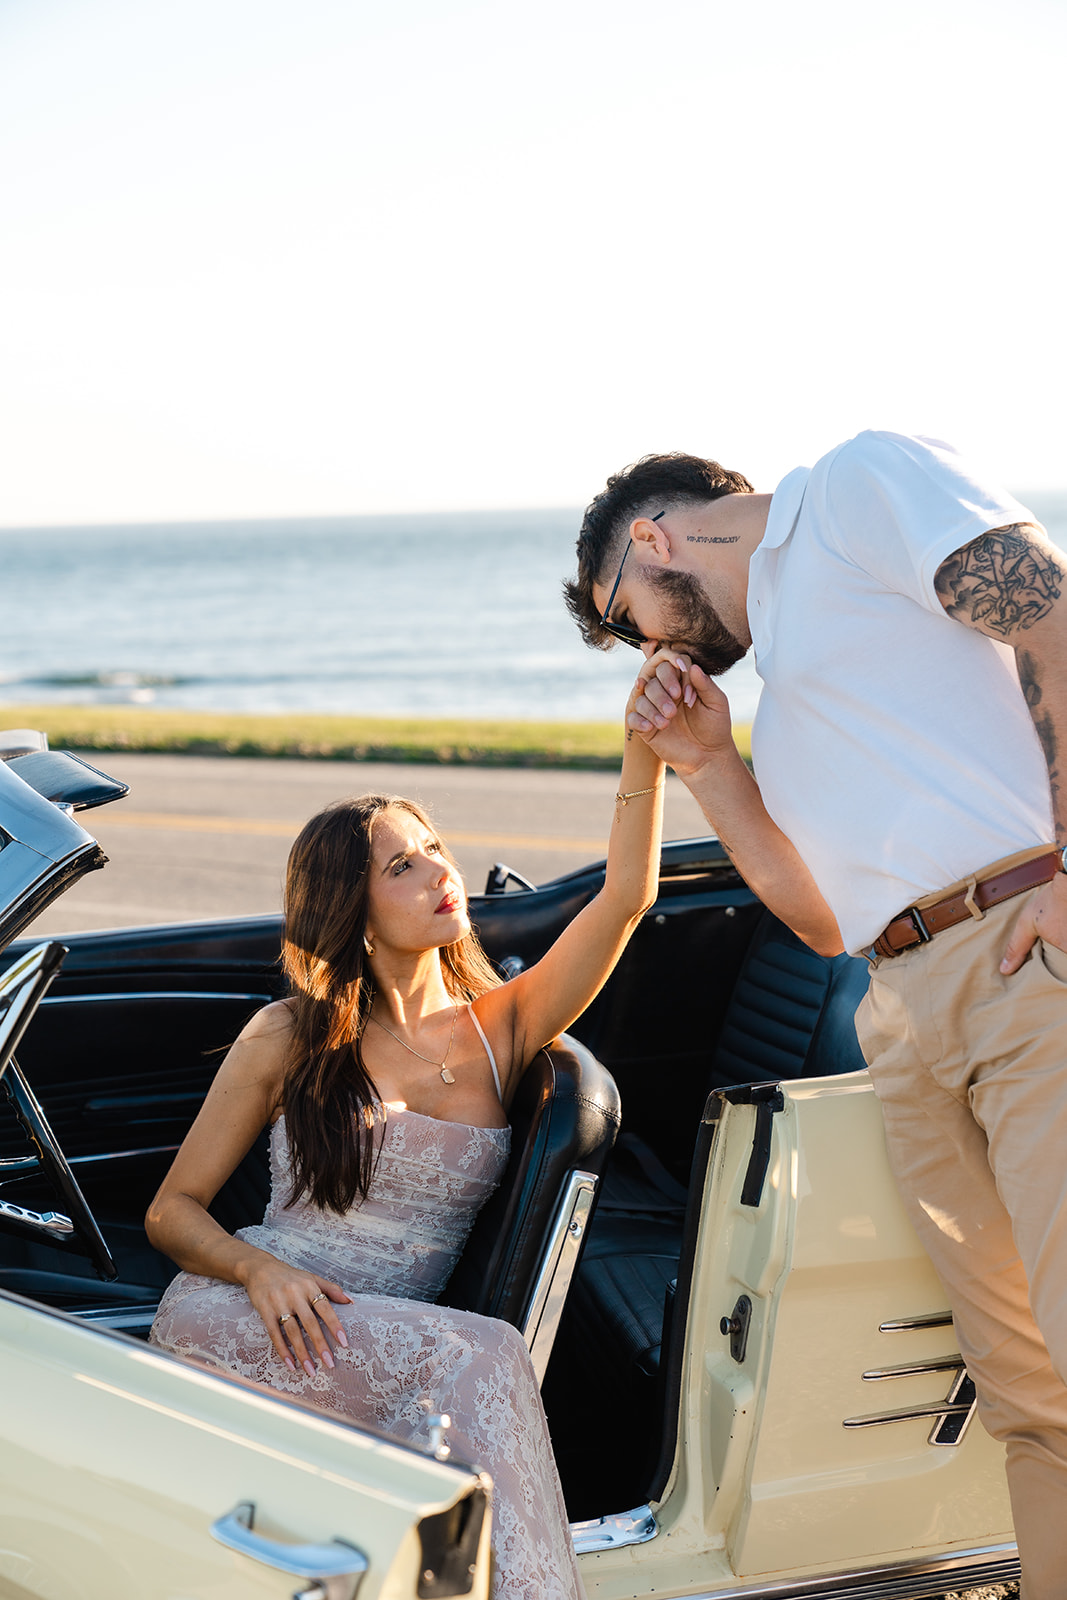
<point>290,1363</point>
<point>1004,965</point>
<point>309,1368</point>
<point>341,1338</point>
<point>328,1358</point>
<point>690,696</point>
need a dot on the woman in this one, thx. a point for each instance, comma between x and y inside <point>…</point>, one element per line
<point>385,1078</point>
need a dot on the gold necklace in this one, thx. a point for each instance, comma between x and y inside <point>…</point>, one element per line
<point>446,1075</point>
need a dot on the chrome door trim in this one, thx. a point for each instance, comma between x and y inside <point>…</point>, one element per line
<point>316,1562</point>
<point>909,1368</point>
<point>612,1532</point>
<point>558,1261</point>
<point>904,1580</point>
<point>936,1408</point>
<point>53,1224</point>
<point>125,1155</point>
<point>154,994</point>
<point>118,1318</point>
<point>933,1319</point>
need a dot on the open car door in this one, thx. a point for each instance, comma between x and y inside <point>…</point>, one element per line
<point>826,1440</point>
<point>127,1472</point>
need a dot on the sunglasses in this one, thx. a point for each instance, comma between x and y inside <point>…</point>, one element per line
<point>619,630</point>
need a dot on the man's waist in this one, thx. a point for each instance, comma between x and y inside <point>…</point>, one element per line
<point>967,897</point>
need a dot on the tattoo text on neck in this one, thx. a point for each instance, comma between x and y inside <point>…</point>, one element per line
<point>712,538</point>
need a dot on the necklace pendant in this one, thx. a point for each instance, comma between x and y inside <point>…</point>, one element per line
<point>447,1075</point>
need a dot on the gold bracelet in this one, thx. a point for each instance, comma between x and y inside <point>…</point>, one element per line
<point>621,799</point>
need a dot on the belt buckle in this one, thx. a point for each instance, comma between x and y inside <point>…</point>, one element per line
<point>919,924</point>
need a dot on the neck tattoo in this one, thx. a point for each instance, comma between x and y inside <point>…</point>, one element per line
<point>446,1075</point>
<point>712,538</point>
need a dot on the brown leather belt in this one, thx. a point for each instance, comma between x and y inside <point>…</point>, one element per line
<point>914,927</point>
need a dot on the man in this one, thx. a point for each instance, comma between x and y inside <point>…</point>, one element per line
<point>909,623</point>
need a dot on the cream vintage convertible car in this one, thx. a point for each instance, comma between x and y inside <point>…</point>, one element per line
<point>748,1364</point>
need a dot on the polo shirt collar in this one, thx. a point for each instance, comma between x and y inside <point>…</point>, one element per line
<point>785,504</point>
<point>781,520</point>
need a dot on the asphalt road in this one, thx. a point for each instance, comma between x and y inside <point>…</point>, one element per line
<point>204,836</point>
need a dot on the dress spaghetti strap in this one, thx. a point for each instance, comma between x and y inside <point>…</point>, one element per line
<point>488,1051</point>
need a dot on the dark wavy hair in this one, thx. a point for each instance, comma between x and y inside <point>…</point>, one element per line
<point>655,483</point>
<point>329,1098</point>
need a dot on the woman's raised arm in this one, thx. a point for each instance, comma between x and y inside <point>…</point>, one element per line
<point>538,1004</point>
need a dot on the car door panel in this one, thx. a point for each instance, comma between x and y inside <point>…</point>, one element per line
<point>817,1488</point>
<point>116,1460</point>
<point>767,1477</point>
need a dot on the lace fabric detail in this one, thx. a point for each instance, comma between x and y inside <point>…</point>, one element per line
<point>407,1359</point>
<point>431,1181</point>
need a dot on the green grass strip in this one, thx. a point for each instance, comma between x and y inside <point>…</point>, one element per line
<point>452,741</point>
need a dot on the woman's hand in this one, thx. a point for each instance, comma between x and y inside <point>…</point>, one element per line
<point>680,712</point>
<point>294,1307</point>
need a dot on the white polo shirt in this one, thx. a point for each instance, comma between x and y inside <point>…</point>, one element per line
<point>892,744</point>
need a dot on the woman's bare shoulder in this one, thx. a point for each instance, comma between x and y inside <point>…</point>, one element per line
<point>260,1053</point>
<point>273,1022</point>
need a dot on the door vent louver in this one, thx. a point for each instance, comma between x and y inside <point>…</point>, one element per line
<point>952,1415</point>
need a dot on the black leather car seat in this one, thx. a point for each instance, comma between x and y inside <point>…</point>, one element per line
<point>790,1016</point>
<point>564,1119</point>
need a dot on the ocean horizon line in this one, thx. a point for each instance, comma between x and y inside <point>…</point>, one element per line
<point>288,519</point>
<point>1055,498</point>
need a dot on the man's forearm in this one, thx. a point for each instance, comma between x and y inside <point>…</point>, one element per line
<point>729,797</point>
<point>1043,675</point>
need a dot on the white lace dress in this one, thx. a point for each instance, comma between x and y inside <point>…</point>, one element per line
<point>407,1358</point>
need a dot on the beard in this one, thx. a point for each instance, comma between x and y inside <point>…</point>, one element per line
<point>691,623</point>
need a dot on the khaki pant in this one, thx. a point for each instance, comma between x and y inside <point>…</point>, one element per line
<point>971,1071</point>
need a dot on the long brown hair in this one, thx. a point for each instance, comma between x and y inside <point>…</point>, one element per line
<point>329,1098</point>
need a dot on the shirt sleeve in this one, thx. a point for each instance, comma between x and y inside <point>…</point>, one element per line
<point>899,506</point>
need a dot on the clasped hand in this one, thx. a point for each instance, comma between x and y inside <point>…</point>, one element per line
<point>295,1308</point>
<point>679,711</point>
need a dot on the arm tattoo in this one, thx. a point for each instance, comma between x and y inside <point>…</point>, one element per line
<point>1002,582</point>
<point>1030,679</point>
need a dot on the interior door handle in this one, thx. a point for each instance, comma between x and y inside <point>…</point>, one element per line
<point>330,1567</point>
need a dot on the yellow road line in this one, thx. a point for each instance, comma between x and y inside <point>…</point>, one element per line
<point>181,823</point>
<point>184,823</point>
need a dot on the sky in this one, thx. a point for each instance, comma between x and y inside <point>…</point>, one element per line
<point>330,257</point>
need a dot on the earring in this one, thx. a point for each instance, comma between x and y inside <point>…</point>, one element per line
<point>368,947</point>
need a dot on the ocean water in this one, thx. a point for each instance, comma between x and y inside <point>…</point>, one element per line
<point>447,614</point>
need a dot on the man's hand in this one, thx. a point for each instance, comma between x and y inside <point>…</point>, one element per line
<point>1043,917</point>
<point>680,712</point>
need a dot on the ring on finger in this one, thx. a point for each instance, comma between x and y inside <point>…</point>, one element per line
<point>286,1317</point>
<point>317,1298</point>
